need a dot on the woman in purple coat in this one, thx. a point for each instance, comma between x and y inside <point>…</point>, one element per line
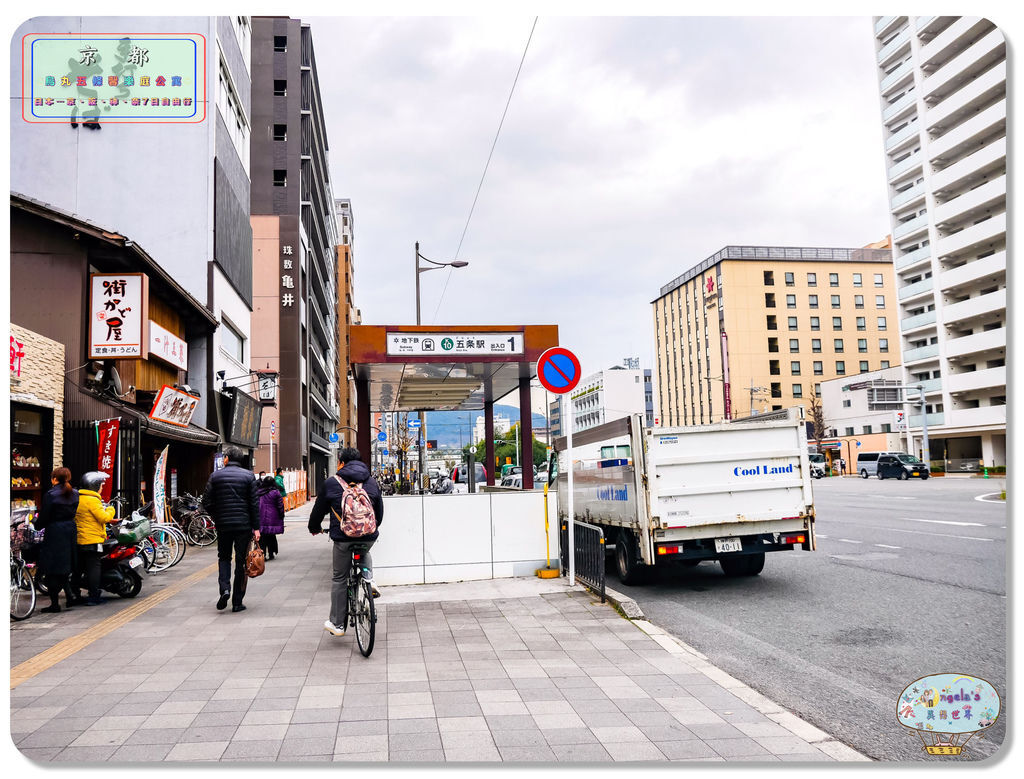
<point>271,516</point>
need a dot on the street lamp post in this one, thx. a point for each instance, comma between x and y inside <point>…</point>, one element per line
<point>434,265</point>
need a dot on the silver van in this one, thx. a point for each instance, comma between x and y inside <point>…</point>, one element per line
<point>867,463</point>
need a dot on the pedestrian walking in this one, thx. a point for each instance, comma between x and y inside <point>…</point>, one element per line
<point>60,541</point>
<point>91,519</point>
<point>230,500</point>
<point>842,466</point>
<point>352,473</point>
<point>271,516</point>
<point>279,480</point>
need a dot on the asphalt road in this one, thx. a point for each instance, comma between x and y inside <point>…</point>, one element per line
<point>909,579</point>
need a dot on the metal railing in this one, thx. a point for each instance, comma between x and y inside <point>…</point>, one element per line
<point>588,541</point>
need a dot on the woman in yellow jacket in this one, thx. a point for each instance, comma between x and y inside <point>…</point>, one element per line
<point>91,519</point>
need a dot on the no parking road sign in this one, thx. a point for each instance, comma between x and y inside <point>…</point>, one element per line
<point>558,370</point>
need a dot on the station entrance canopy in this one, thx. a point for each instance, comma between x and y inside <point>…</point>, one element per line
<point>437,368</point>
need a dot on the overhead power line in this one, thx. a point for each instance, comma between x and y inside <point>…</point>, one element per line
<point>487,164</point>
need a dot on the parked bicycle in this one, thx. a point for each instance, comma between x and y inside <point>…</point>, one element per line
<point>187,510</point>
<point>164,546</point>
<point>23,591</point>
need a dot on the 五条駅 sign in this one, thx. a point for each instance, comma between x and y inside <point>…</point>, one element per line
<point>455,344</point>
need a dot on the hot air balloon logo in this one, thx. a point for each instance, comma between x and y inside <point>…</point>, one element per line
<point>944,708</point>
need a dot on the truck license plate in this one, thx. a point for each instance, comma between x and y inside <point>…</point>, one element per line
<point>728,545</point>
<point>135,562</point>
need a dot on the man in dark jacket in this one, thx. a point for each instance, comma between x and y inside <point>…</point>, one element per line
<point>230,500</point>
<point>354,471</point>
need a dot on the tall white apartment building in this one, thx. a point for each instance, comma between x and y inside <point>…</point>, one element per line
<point>942,82</point>
<point>502,424</point>
<point>606,395</point>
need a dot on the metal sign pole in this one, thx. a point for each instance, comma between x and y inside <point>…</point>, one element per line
<point>571,517</point>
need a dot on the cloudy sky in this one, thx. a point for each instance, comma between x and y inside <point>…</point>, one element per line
<point>633,149</point>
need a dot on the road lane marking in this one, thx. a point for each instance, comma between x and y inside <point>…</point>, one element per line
<point>849,541</point>
<point>69,646</point>
<point>887,546</point>
<point>945,522</point>
<point>985,498</point>
<point>944,535</point>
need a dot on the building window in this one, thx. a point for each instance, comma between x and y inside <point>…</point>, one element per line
<point>837,323</point>
<point>280,87</point>
<point>849,431</point>
<point>863,366</point>
<point>838,343</point>
<point>867,429</point>
<point>858,301</point>
<point>847,403</point>
<point>816,345</point>
<point>790,281</point>
<point>794,344</point>
<point>833,279</point>
<point>817,390</point>
<point>280,132</point>
<point>881,323</point>
<point>812,279</point>
<point>790,301</point>
<point>812,301</point>
<point>879,282</point>
<point>886,427</point>
<point>769,278</point>
<point>815,323</point>
<point>769,300</point>
<point>774,368</point>
<point>879,301</point>
<point>862,323</point>
<point>840,367</point>
<point>819,369</point>
<point>280,178</point>
<point>794,367</point>
<point>772,323</point>
<point>280,43</point>
<point>862,345</point>
<point>792,323</point>
<point>885,363</point>
<point>835,301</point>
<point>232,341</point>
<point>858,280</point>
<point>798,390</point>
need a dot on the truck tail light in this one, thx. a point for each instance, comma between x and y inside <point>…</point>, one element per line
<point>794,539</point>
<point>669,549</point>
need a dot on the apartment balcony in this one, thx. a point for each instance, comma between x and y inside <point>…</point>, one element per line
<point>988,197</point>
<point>897,45</point>
<point>934,420</point>
<point>917,288</point>
<point>985,89</point>
<point>886,24</point>
<point>974,273</point>
<point>979,306</point>
<point>984,53</point>
<point>911,164</point>
<point>904,105</point>
<point>963,138</point>
<point>989,159</point>
<point>920,354</point>
<point>905,230</point>
<point>930,386</point>
<point>916,192</point>
<point>973,381</point>
<point>983,416</point>
<point>913,258</point>
<point>977,237</point>
<point>898,77</point>
<point>902,137</point>
<point>951,41</point>
<point>978,343</point>
<point>927,27</point>
<point>915,322</point>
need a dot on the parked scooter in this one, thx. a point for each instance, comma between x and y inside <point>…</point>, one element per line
<point>122,566</point>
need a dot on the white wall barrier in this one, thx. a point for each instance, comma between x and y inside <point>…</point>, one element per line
<point>449,538</point>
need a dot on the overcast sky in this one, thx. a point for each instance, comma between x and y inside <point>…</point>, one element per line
<point>633,149</point>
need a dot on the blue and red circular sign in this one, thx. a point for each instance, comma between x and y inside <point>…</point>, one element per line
<point>558,370</point>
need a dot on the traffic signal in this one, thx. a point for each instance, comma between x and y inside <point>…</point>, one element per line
<point>431,443</point>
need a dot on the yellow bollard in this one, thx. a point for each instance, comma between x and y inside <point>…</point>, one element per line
<point>547,572</point>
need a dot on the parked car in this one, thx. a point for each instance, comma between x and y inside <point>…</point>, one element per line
<point>817,471</point>
<point>867,463</point>
<point>459,477</point>
<point>901,466</point>
<point>514,480</point>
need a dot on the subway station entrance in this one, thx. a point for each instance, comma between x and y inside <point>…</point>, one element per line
<point>412,368</point>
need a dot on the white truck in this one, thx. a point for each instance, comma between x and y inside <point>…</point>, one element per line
<point>728,492</point>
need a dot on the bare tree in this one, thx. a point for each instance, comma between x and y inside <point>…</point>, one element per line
<point>817,417</point>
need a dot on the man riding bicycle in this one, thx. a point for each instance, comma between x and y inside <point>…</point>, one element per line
<point>331,498</point>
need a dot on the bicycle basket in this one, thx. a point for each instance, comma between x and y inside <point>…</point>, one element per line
<point>133,530</point>
<point>22,535</point>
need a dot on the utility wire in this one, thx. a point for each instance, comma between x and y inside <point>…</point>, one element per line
<point>486,165</point>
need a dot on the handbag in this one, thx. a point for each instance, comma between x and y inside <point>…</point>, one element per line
<point>255,562</point>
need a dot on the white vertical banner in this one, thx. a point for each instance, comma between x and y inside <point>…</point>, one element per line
<point>160,485</point>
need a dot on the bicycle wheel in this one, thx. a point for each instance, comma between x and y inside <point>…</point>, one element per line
<point>179,534</point>
<point>147,551</point>
<point>165,545</point>
<point>365,618</point>
<point>23,591</point>
<point>201,531</point>
<point>39,580</point>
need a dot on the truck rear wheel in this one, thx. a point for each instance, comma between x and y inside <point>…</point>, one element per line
<point>630,571</point>
<point>742,565</point>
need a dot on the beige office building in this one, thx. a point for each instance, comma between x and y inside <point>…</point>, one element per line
<point>758,328</point>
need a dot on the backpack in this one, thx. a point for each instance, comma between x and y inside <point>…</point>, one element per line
<point>357,518</point>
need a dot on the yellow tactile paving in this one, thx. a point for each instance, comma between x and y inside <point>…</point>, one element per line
<point>69,646</point>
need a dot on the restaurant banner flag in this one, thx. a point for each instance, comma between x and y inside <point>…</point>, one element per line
<point>106,437</point>
<point>160,485</point>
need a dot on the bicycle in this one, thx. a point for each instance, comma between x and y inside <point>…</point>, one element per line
<point>164,546</point>
<point>362,613</point>
<point>188,513</point>
<point>23,590</point>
